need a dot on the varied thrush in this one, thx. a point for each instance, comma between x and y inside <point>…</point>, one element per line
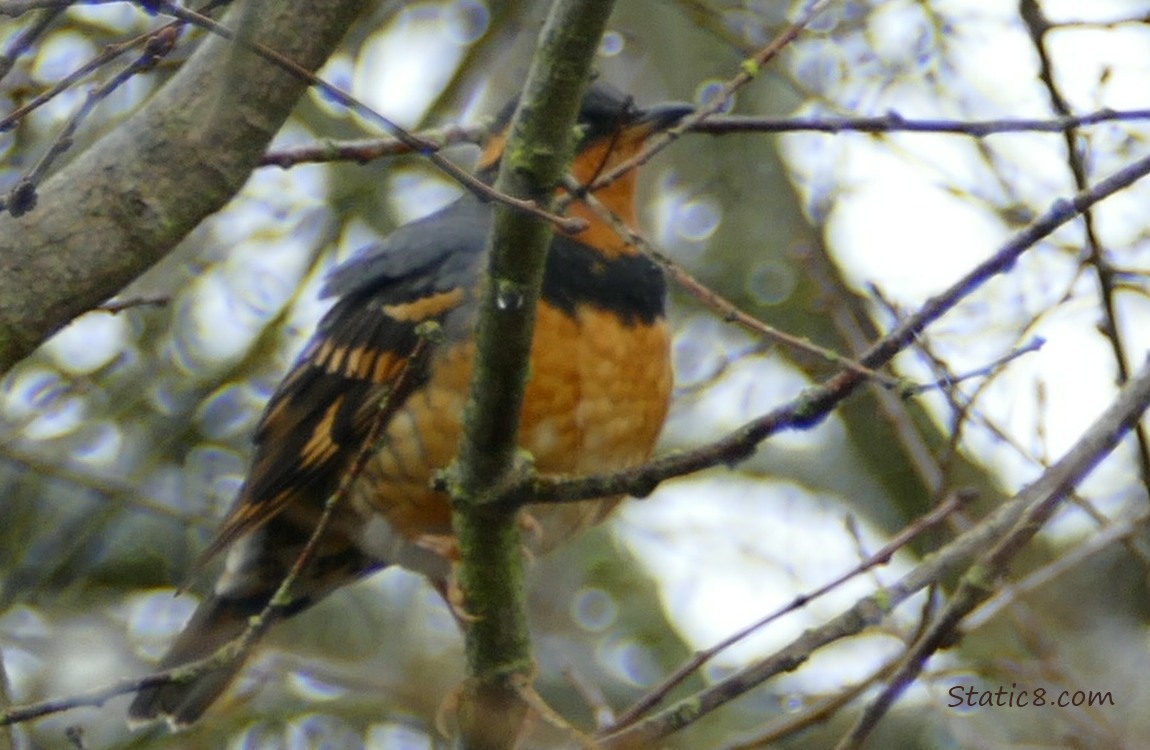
<point>598,393</point>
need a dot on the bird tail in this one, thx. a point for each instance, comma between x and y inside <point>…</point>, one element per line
<point>217,621</point>
<point>255,568</point>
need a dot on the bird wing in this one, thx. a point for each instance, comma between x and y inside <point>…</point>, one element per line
<point>320,415</point>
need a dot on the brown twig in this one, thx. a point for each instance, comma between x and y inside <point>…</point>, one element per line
<point>363,151</point>
<point>120,305</point>
<point>816,402</point>
<point>940,513</point>
<point>1038,502</point>
<point>424,148</point>
<point>724,308</point>
<point>106,55</point>
<point>748,71</point>
<point>1037,26</point>
<point>892,122</point>
<point>22,198</point>
<point>1003,532</point>
<point>238,648</point>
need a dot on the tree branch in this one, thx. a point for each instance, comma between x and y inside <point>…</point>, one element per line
<point>1034,506</point>
<point>1097,256</point>
<point>369,149</point>
<point>816,403</point>
<point>892,122</point>
<point>999,537</point>
<point>538,151</point>
<point>134,194</point>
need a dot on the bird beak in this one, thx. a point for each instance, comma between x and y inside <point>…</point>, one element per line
<point>664,116</point>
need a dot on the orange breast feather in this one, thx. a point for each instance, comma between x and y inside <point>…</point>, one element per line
<point>595,402</point>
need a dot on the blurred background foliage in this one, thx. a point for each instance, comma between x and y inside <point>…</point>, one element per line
<point>124,437</point>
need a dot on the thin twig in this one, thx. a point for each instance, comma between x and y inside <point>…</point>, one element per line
<point>857,328</point>
<point>816,402</point>
<point>724,308</point>
<point>106,55</point>
<point>22,198</point>
<point>26,38</point>
<point>1003,532</point>
<point>391,401</point>
<point>949,381</point>
<point>236,649</point>
<point>368,149</point>
<point>1038,25</point>
<point>424,148</point>
<point>924,523</point>
<point>892,122</point>
<point>1006,594</point>
<point>963,407</point>
<point>365,150</point>
<point>748,71</point>
<point>1038,501</point>
<point>820,712</point>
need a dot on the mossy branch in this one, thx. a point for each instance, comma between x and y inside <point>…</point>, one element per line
<point>132,196</point>
<point>538,151</point>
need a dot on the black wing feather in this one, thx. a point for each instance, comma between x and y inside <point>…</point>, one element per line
<point>316,421</point>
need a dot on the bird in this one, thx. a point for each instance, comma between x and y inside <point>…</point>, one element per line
<point>598,393</point>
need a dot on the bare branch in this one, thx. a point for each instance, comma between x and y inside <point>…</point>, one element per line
<point>105,56</point>
<point>22,197</point>
<point>1032,507</point>
<point>427,149</point>
<point>363,151</point>
<point>237,649</point>
<point>999,536</point>
<point>941,513</point>
<point>118,207</point>
<point>817,402</point>
<point>538,151</point>
<point>1037,25</point>
<point>892,122</point>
